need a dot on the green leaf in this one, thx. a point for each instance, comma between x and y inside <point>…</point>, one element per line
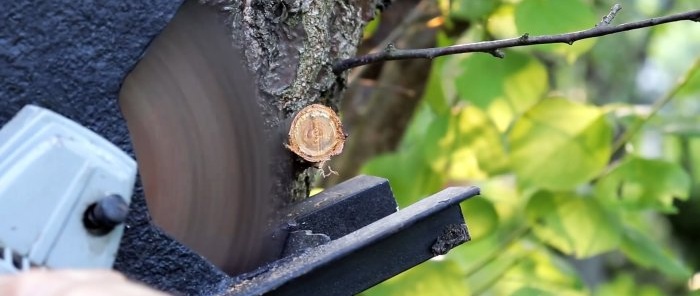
<point>625,284</point>
<point>554,16</point>
<point>639,183</point>
<point>575,225</point>
<point>502,191</point>
<point>481,217</point>
<point>501,23</point>
<point>464,144</point>
<point>477,137</point>
<point>541,270</point>
<point>648,253</point>
<point>529,291</point>
<point>418,126</point>
<point>505,88</point>
<point>470,10</point>
<point>493,274</point>
<point>371,27</point>
<point>437,143</point>
<point>540,17</point>
<point>559,144</point>
<point>515,265</point>
<point>470,256</point>
<point>434,95</point>
<point>410,177</point>
<point>429,278</point>
<point>389,166</point>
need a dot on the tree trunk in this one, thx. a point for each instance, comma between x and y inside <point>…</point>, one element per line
<point>376,119</point>
<point>291,46</point>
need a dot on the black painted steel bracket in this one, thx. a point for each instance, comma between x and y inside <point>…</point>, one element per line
<point>369,255</point>
<point>345,207</point>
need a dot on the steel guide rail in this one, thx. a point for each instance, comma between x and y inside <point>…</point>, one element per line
<point>369,255</point>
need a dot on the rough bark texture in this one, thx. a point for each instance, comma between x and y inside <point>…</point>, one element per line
<point>377,110</point>
<point>71,57</point>
<point>291,46</point>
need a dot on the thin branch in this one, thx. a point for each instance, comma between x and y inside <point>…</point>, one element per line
<point>607,19</point>
<point>495,47</point>
<point>660,103</point>
<point>416,13</point>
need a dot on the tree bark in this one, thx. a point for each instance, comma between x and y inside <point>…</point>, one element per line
<point>376,119</point>
<point>290,47</point>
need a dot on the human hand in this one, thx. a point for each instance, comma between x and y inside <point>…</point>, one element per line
<point>42,282</point>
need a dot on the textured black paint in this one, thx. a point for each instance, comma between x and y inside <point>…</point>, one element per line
<point>346,207</point>
<point>367,256</point>
<point>71,57</point>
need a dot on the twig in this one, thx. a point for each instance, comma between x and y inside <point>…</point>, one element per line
<point>607,19</point>
<point>494,47</point>
<point>414,15</point>
<point>660,103</point>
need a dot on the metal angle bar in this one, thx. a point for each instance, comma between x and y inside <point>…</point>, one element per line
<point>369,255</point>
<point>346,207</point>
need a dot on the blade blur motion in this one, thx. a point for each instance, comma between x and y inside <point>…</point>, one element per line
<point>192,113</point>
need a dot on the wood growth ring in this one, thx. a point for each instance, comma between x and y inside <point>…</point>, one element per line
<point>316,134</point>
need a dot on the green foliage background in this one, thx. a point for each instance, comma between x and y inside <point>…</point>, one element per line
<point>537,131</point>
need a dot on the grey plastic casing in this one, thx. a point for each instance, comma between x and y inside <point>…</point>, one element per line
<point>51,170</point>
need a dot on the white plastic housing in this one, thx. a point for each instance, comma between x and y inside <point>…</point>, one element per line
<point>51,170</point>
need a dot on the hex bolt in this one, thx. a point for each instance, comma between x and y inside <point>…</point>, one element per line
<point>105,214</point>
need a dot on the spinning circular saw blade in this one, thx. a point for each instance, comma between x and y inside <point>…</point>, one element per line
<point>191,109</point>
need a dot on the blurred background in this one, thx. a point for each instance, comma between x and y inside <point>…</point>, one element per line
<point>588,156</point>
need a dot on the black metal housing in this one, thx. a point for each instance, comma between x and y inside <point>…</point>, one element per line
<point>345,207</point>
<point>370,255</point>
<point>71,57</point>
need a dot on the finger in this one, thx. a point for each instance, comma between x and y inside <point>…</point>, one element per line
<point>6,285</point>
<point>125,288</point>
<point>70,283</point>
